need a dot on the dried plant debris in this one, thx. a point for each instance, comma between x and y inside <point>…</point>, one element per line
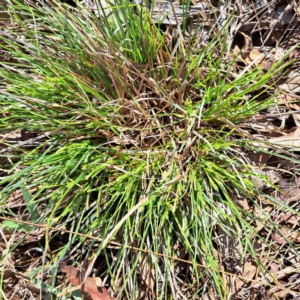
<point>91,286</point>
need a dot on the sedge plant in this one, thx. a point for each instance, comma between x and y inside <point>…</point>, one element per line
<point>133,140</point>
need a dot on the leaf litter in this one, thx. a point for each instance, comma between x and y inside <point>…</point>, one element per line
<point>92,286</point>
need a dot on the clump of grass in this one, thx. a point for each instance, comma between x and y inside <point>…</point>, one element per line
<point>139,143</point>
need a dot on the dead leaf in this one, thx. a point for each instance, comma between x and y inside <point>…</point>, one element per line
<point>241,200</point>
<point>15,198</point>
<point>289,140</point>
<point>248,272</point>
<point>254,56</point>
<point>279,238</point>
<point>8,274</point>
<point>289,190</point>
<point>270,278</point>
<point>274,268</point>
<point>295,237</point>
<point>277,293</point>
<point>258,182</point>
<point>258,58</point>
<point>262,213</point>
<point>95,291</point>
<point>289,218</point>
<point>292,84</point>
<point>273,176</point>
<point>35,235</point>
<point>282,293</point>
<point>295,115</point>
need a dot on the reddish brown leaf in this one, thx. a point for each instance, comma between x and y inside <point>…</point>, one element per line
<point>274,268</point>
<point>258,58</point>
<point>277,292</point>
<point>289,218</point>
<point>279,238</point>
<point>76,277</point>
<point>248,272</point>
<point>289,190</point>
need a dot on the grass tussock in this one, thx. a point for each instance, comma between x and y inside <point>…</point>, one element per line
<point>135,140</point>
